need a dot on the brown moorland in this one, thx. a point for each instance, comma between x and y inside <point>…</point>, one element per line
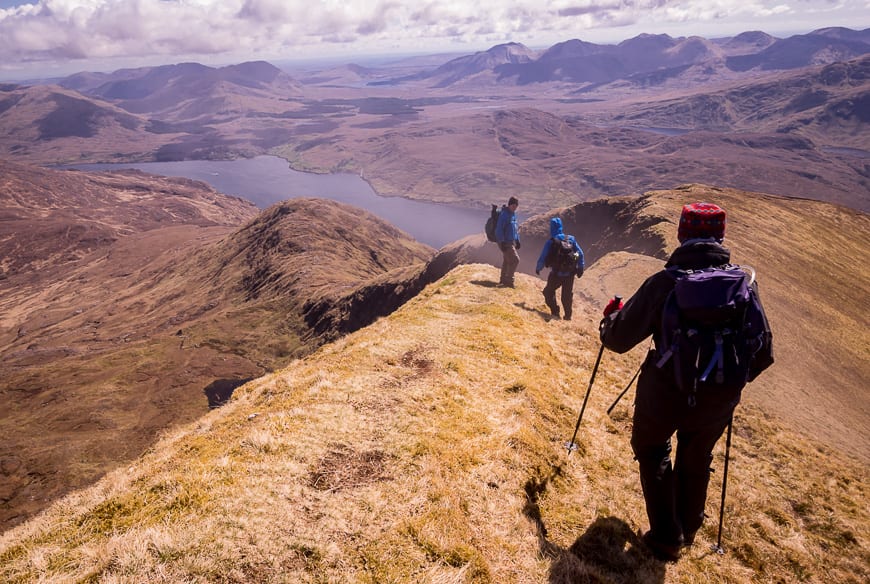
<point>797,132</point>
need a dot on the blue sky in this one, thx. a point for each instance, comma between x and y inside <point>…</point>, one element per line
<point>44,38</point>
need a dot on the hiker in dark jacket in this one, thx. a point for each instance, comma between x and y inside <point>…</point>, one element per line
<point>508,237</point>
<point>561,276</point>
<point>674,495</point>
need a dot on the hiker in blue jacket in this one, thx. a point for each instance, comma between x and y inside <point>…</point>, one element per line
<point>564,264</point>
<point>508,237</point>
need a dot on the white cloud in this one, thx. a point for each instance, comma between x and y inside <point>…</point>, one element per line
<point>55,30</point>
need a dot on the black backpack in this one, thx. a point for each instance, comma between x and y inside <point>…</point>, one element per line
<point>562,256</point>
<point>491,222</point>
<point>714,330</point>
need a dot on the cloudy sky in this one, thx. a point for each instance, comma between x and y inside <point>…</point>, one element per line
<point>58,37</point>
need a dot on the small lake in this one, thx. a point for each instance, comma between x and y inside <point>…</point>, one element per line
<point>661,131</point>
<point>266,180</point>
<point>857,153</point>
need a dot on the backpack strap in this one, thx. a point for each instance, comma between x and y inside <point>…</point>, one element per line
<point>718,358</point>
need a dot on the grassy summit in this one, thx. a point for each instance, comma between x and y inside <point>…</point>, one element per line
<point>429,447</point>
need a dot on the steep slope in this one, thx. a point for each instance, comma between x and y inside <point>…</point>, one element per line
<point>131,303</point>
<point>813,275</point>
<point>429,447</point>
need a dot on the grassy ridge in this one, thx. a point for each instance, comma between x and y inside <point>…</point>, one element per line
<point>429,447</point>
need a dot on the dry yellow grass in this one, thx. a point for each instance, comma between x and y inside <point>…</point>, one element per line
<point>429,447</point>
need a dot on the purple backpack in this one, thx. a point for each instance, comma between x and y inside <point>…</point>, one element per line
<point>715,334</point>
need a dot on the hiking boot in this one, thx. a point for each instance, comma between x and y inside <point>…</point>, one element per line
<point>662,551</point>
<point>567,316</point>
<point>688,539</point>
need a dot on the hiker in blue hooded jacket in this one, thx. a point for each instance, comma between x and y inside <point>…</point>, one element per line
<point>564,266</point>
<point>507,235</point>
<point>674,494</point>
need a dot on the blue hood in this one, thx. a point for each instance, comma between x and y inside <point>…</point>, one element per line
<point>555,227</point>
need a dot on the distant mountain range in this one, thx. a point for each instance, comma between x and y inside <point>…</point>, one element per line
<point>577,61</point>
<point>572,122</point>
<point>171,88</point>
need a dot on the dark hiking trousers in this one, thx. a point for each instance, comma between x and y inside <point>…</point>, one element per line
<point>566,283</point>
<point>675,494</point>
<point>511,259</point>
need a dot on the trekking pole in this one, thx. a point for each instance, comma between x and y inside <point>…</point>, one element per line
<point>624,391</point>
<point>571,446</point>
<point>718,547</point>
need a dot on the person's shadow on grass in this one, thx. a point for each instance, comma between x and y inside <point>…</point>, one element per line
<point>608,551</point>
<point>545,315</point>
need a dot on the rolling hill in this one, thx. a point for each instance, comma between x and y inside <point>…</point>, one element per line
<point>49,123</point>
<point>186,91</point>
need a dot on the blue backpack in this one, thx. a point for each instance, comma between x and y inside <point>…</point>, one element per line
<point>714,330</point>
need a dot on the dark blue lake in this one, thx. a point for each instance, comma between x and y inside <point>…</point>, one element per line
<point>266,180</point>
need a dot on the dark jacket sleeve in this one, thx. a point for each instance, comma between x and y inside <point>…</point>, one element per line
<point>640,317</point>
<point>762,357</point>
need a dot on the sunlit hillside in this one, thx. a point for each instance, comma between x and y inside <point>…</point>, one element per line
<point>429,446</point>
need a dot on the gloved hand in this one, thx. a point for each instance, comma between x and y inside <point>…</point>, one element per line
<point>579,273</point>
<point>538,272</point>
<point>518,244</point>
<point>612,306</point>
